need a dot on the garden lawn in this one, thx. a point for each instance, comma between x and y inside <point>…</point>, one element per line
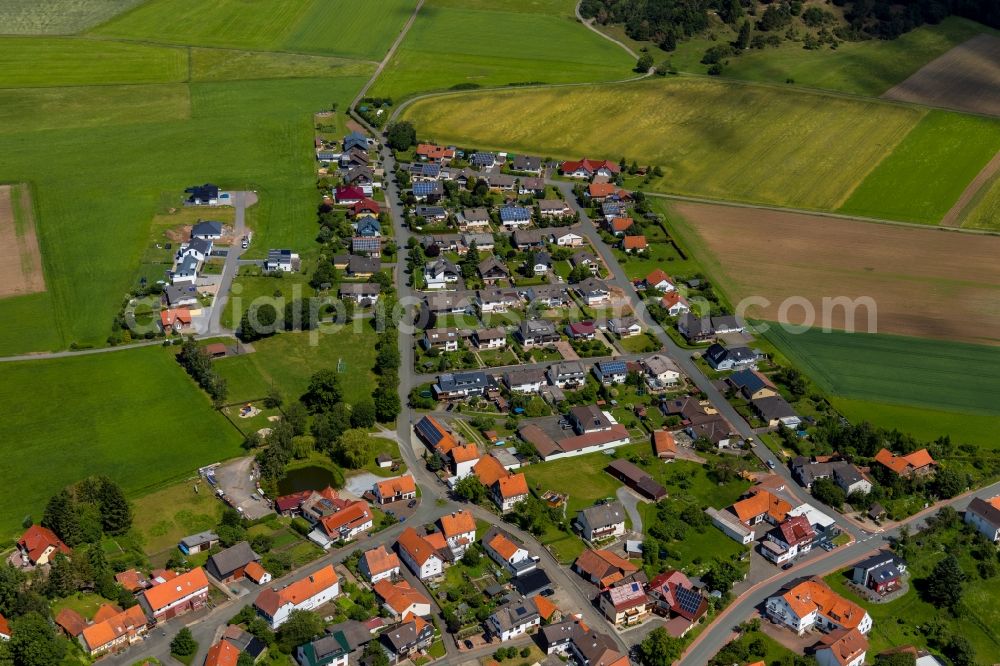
<point>581,478</point>
<point>121,148</point>
<point>482,44</point>
<point>910,372</point>
<point>288,360</point>
<point>54,61</point>
<point>926,173</point>
<point>163,517</point>
<point>809,150</point>
<point>84,603</point>
<point>133,415</point>
<point>57,17</point>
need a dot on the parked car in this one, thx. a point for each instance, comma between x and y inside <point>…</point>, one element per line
<point>412,503</point>
<point>770,463</point>
<point>787,566</point>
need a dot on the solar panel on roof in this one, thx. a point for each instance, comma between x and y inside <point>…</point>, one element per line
<point>687,599</point>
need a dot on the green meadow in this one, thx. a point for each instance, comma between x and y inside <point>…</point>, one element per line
<point>925,175</point>
<point>132,415</point>
<point>894,380</point>
<point>985,210</point>
<point>495,44</point>
<point>715,139</point>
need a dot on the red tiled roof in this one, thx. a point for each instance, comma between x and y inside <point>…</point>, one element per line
<point>36,539</point>
<point>222,653</point>
<point>176,589</point>
<point>254,572</point>
<point>298,592</point>
<point>466,453</point>
<point>460,522</point>
<point>515,485</point>
<point>71,622</point>
<point>176,315</point>
<point>759,503</point>
<point>130,579</point>
<point>292,501</point>
<point>416,546</point>
<point>664,443</point>
<point>905,464</point>
<point>620,224</point>
<point>352,516</point>
<point>104,631</point>
<point>489,470</point>
<point>379,560</point>
<point>401,485</point>
<point>365,205</point>
<point>634,242</point>
<point>4,626</point>
<point>105,612</point>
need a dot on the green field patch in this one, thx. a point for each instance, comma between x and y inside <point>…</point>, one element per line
<point>985,211</point>
<point>808,150</point>
<point>134,416</point>
<point>251,24</point>
<point>231,65</point>
<point>924,423</point>
<point>32,109</point>
<point>484,45</point>
<point>893,369</point>
<point>97,195</point>
<point>57,17</point>
<point>162,518</point>
<point>352,28</point>
<point>52,61</point>
<point>923,177</point>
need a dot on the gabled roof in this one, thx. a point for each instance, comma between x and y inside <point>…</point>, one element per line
<point>4,626</point>
<point>459,522</point>
<point>176,589</point>
<point>416,546</point>
<point>795,530</point>
<point>604,566</point>
<point>222,653</point>
<point>399,596</point>
<point>36,539</point>
<point>354,515</point>
<point>845,645</point>
<point>108,629</point>
<point>664,442</point>
<point>814,594</point>
<point>634,242</point>
<point>761,502</point>
<point>905,464</point>
<point>434,435</point>
<point>602,515</point>
<point>515,485</point>
<point>225,562</point>
<point>620,224</point>
<point>466,453</point>
<point>401,485</point>
<point>503,545</point>
<point>298,592</point>
<point>988,510</point>
<point>380,560</point>
<point>68,619</point>
<point>489,470</point>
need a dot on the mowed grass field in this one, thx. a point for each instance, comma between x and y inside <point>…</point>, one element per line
<point>927,172</point>
<point>117,148</point>
<point>924,423</point>
<point>352,28</point>
<point>945,376</point>
<point>985,211</point>
<point>713,139</point>
<point>57,17</point>
<point>132,415</point>
<point>495,44</point>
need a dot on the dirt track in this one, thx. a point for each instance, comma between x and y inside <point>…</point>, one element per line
<point>925,282</point>
<point>20,260</point>
<point>966,78</point>
<point>953,218</point>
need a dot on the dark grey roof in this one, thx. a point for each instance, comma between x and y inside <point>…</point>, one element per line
<point>773,407</point>
<point>515,614</point>
<point>463,381</point>
<point>207,228</point>
<point>199,538</point>
<point>532,582</point>
<point>225,562</point>
<point>599,515</point>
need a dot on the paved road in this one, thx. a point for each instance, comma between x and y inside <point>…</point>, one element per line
<point>241,201</point>
<point>631,503</point>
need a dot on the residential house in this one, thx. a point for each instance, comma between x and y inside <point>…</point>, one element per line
<point>308,593</point>
<point>395,489</point>
<point>347,195</point>
<point>132,580</point>
<point>599,439</point>
<point>563,237</point>
<point>587,168</point>
<point>636,479</point>
<point>585,258</point>
<point>477,219</point>
<point>812,604</point>
<point>984,515</point>
<point>429,191</point>
<point>343,525</point>
<point>462,459</point>
<point>508,491</point>
<point>792,537</point>
<point>119,630</point>
<point>664,445</point>
<point>483,160</point>
<point>361,176</point>
<point>530,239</point>
<point>547,296</point>
<point>368,227</point>
<point>419,555</point>
<point>611,372</point>
<point>436,437</point>
<point>328,650</point>
<point>554,208</point>
<point>379,564</point>
<point>431,214</point>
<point>881,573</point>
<point>918,463</point>
<point>243,641</point>
<point>424,172</point>
<point>726,324</point>
<point>367,245</point>
<point>600,192</point>
<point>760,506</point>
<point>185,271</point>
<point>673,595</point>
<point>633,244</point>
<point>660,281</point>
<point>355,140</point>
<point>612,209</point>
<point>603,567</point>
<point>533,186</point>
<point>363,267</point>
<point>442,339</point>
<point>402,600</point>
<point>492,270</point>
<point>180,295</point>
<point>593,292</point>
<point>567,374</point>
<point>730,358</point>
<point>514,217</point>
<point>363,294</point>
<point>354,157</point>
<point>848,477</point>
<point>207,230</point>
<point>496,300</point>
<point>581,330</point>
<point>441,274</point>
<point>536,332</point>
<point>694,328</point>
<point>195,543</point>
<point>625,327</point>
<point>435,305</point>
<point>524,380</point>
<point>752,384</point>
<point>500,182</point>
<point>513,619</point>
<point>482,241</point>
<point>285,261</point>
<point>183,593</point>
<point>257,573</point>
<point>675,304</point>
<point>526,164</point>
<point>842,647</point>
<point>503,550</point>
<point>206,195</point>
<point>625,605</point>
<point>490,338</point>
<point>619,225</point>
<point>407,639</point>
<point>661,371</point>
<point>601,521</point>
<point>230,564</point>
<point>365,208</point>
<point>543,263</point>
<point>452,385</point>
<point>775,411</point>
<point>583,645</point>
<point>434,153</point>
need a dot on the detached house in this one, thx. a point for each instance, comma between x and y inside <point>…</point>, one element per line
<point>39,545</point>
<point>567,374</point>
<point>395,490</point>
<point>492,270</point>
<point>881,573</point>
<point>675,304</point>
<point>536,332</point>
<point>407,639</point>
<point>441,274</point>
<point>459,530</point>
<point>515,217</point>
<point>593,292</point>
<point>553,208</point>
<point>186,592</point>
<point>633,244</point>
<point>524,380</point>
<point>513,620</point>
<point>984,515</point>
<point>402,600</point>
<point>504,551</point>
<point>842,647</point>
<point>586,168</point>
<point>611,372</point>
<point>309,593</point>
<point>601,521</point>
<point>792,537</point>
<point>490,338</point>
<point>812,603</point>
<point>508,491</point>
<point>207,230</point>
<point>118,631</point>
<point>626,604</point>
<point>474,219</point>
<point>732,358</point>
<point>452,385</point>
<point>603,567</point>
<point>659,281</point>
<point>419,555</point>
<point>230,564</point>
<point>673,595</point>
<point>625,327</point>
<point>378,564</point>
<point>918,463</point>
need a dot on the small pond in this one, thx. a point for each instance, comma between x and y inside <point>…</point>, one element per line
<point>312,477</point>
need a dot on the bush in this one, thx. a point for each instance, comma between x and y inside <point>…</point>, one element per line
<point>301,525</point>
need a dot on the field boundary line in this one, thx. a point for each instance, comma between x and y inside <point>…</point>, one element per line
<point>818,213</point>
<point>970,195</point>
<point>388,55</point>
<point>590,25</point>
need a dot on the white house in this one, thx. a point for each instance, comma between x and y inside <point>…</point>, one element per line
<point>566,238</point>
<point>984,515</point>
<point>601,521</point>
<point>419,555</point>
<point>440,274</point>
<point>624,327</point>
<point>660,370</point>
<point>285,261</point>
<point>524,380</point>
<point>812,603</point>
<point>459,529</point>
<point>379,564</point>
<point>842,647</point>
<point>513,620</point>
<point>309,593</point>
<point>502,550</point>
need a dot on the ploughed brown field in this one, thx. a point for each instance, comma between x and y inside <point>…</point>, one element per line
<point>20,260</point>
<point>925,282</point>
<point>966,78</point>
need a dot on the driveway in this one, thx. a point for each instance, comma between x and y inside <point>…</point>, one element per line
<point>241,201</point>
<point>631,503</point>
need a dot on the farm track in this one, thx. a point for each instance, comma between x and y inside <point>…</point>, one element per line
<point>953,219</point>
